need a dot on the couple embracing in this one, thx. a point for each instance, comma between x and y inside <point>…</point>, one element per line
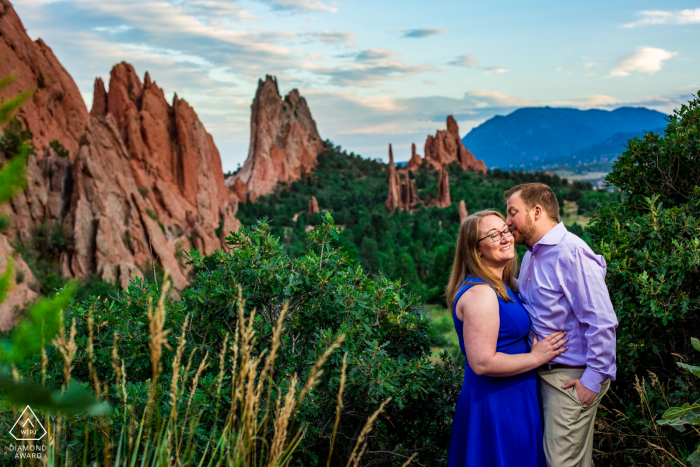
<point>540,350</point>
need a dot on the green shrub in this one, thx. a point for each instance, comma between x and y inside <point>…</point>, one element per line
<point>386,341</point>
<point>61,151</point>
<point>650,240</point>
<point>143,191</point>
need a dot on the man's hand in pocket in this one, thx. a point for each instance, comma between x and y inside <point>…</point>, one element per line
<point>585,395</point>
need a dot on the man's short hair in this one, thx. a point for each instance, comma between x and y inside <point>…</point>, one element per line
<point>537,194</point>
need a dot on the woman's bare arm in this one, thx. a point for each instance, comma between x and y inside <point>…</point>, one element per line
<point>478,309</point>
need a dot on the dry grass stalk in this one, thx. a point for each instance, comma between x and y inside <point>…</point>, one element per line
<point>202,366</point>
<point>222,356</point>
<point>44,365</point>
<point>339,407</point>
<point>174,382</point>
<point>156,321</point>
<point>365,431</point>
<point>91,355</point>
<point>270,364</point>
<point>67,348</point>
<point>410,459</point>
<point>316,372</point>
<point>282,418</point>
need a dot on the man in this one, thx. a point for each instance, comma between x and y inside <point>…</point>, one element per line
<point>562,284</point>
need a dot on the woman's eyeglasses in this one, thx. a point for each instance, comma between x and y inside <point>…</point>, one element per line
<point>496,236</point>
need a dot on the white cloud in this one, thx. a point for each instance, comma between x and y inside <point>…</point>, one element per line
<point>589,102</point>
<point>422,32</point>
<point>645,60</point>
<point>495,99</point>
<point>494,70</point>
<point>666,17</point>
<point>333,37</point>
<point>368,68</point>
<point>301,5</point>
<point>470,61</point>
<point>374,55</point>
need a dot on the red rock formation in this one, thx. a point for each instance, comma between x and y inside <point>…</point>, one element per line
<point>284,141</point>
<point>56,110</point>
<point>138,168</point>
<point>24,286</point>
<point>402,189</point>
<point>313,206</point>
<point>447,147</point>
<point>393,200</point>
<point>443,199</point>
<point>463,213</point>
<point>415,162</point>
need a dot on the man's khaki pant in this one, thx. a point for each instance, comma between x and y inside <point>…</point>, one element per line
<point>568,425</point>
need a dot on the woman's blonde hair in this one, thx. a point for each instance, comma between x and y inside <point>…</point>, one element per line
<point>467,261</point>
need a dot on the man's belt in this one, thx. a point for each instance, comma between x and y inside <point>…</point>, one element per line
<point>554,366</point>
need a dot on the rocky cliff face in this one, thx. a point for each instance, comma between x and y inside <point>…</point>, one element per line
<point>139,167</point>
<point>447,147</point>
<point>284,142</point>
<point>56,110</point>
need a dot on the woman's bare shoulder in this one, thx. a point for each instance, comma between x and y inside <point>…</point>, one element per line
<point>479,298</point>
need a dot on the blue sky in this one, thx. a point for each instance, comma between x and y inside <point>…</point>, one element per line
<point>380,72</point>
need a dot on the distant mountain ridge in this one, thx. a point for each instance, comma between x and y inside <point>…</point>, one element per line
<point>535,136</point>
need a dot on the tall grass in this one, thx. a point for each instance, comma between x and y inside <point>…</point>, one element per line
<point>256,429</point>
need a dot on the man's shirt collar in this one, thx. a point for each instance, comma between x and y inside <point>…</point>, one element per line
<point>553,237</point>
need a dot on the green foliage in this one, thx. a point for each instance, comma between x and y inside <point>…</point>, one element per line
<point>61,151</point>
<point>144,192</point>
<point>416,248</point>
<point>387,343</point>
<point>687,414</point>
<point>16,140</point>
<point>152,214</point>
<point>387,338</point>
<point>650,240</point>
<point>651,243</point>
<point>666,167</point>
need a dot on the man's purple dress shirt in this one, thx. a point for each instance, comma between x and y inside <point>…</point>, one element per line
<point>562,283</point>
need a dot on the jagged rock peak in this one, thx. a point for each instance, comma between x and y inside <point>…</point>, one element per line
<point>447,147</point>
<point>284,141</point>
<point>415,160</point>
<point>99,99</point>
<point>56,110</point>
<point>313,206</point>
<point>463,213</point>
<point>138,167</point>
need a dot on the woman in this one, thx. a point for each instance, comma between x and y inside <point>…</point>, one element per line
<point>497,421</point>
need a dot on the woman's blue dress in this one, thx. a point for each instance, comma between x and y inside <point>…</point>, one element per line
<point>498,422</point>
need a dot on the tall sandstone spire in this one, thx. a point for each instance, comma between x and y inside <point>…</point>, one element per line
<point>138,167</point>
<point>443,199</point>
<point>284,141</point>
<point>393,200</point>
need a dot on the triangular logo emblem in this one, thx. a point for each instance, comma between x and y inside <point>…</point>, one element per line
<point>28,427</point>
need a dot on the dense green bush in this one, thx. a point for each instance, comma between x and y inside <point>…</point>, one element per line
<point>651,242</point>
<point>386,341</point>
